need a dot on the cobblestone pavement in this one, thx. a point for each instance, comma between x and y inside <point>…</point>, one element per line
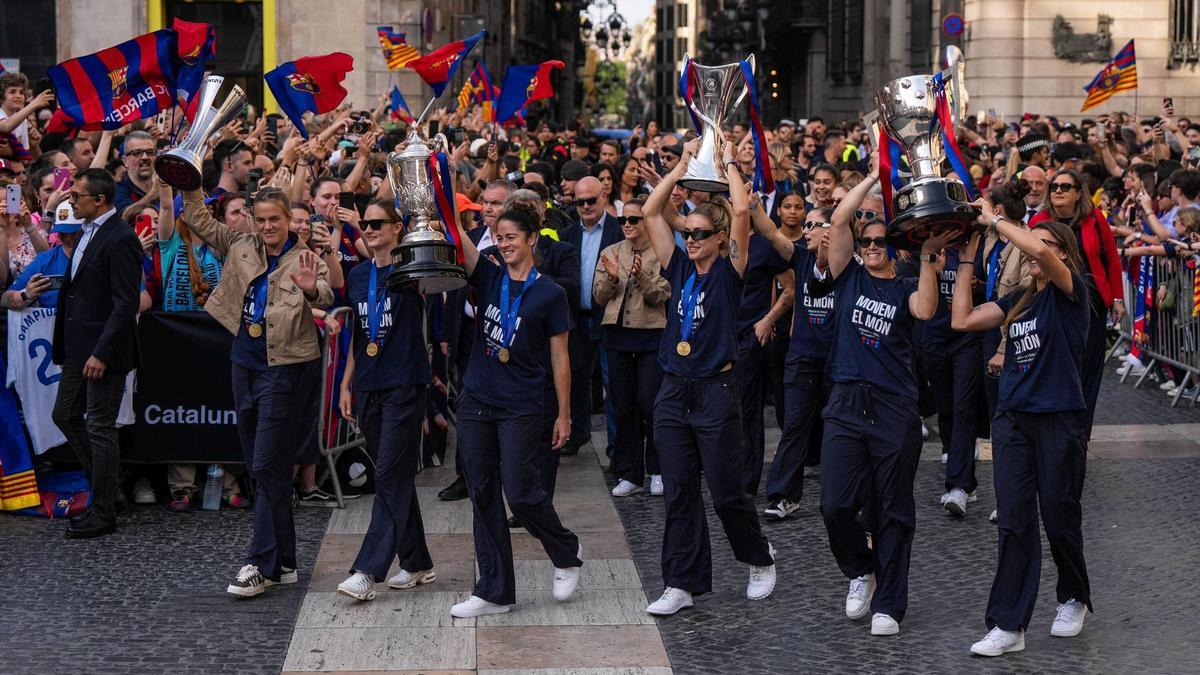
<point>1140,541</point>
<point>148,599</point>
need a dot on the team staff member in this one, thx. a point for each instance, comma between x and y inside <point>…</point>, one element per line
<point>1039,432</point>
<point>522,315</point>
<point>269,285</point>
<point>872,434</point>
<point>697,414</point>
<point>387,372</point>
<point>804,375</point>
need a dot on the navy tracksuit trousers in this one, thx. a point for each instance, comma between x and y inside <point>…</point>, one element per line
<point>634,379</point>
<point>499,451</point>
<point>391,422</point>
<point>955,372</point>
<point>748,369</point>
<point>269,406</point>
<point>804,395</point>
<point>1039,462</point>
<point>869,458</point>
<point>699,429</point>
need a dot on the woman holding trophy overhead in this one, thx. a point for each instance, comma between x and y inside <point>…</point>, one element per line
<point>697,414</point>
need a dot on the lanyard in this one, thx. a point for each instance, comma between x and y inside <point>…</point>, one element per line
<point>508,318</point>
<point>690,295</point>
<point>260,284</point>
<point>993,269</point>
<point>374,305</point>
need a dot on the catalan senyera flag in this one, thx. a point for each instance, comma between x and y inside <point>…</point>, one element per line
<point>1119,75</point>
<point>396,49</point>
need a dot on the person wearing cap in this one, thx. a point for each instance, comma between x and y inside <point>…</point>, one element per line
<point>1034,150</point>
<point>785,131</point>
<point>38,284</point>
<point>580,150</point>
<point>571,172</point>
<point>550,149</point>
<point>468,211</point>
<point>670,155</point>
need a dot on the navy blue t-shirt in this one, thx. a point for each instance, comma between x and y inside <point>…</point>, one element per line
<point>937,330</point>
<point>761,267</point>
<point>517,385</point>
<point>401,359</point>
<point>251,352</point>
<point>1044,351</point>
<point>713,338</point>
<point>812,317</point>
<point>872,337</point>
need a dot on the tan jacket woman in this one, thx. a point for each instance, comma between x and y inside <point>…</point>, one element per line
<point>644,299</point>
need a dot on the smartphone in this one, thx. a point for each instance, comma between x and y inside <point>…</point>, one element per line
<point>273,126</point>
<point>252,185</point>
<point>346,200</point>
<point>56,281</point>
<point>434,126</point>
<point>1168,102</point>
<point>143,224</point>
<point>62,178</point>
<point>13,205</point>
<point>1193,153</point>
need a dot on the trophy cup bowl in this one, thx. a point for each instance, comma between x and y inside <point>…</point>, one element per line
<point>182,167</point>
<point>712,102</point>
<point>930,203</point>
<point>424,261</point>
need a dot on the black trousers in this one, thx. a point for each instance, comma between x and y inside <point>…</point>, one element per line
<point>805,393</point>
<point>868,462</point>
<point>1039,461</point>
<point>269,407</point>
<point>94,440</point>
<point>391,422</point>
<point>499,450</point>
<point>634,379</point>
<point>777,350</point>
<point>699,428</point>
<point>955,371</point>
<point>456,368</point>
<point>748,370</point>
<point>584,347</point>
<point>546,459</point>
<point>1092,370</point>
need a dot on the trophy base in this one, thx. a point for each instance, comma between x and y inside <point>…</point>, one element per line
<point>178,172</point>
<point>426,267</point>
<point>927,208</point>
<point>710,185</point>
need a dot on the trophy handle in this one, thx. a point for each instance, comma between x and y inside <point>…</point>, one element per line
<point>746,88</point>
<point>703,118</point>
<point>439,143</point>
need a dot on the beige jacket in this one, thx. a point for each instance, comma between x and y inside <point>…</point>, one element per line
<point>645,299</point>
<point>291,332</point>
<point>1014,274</point>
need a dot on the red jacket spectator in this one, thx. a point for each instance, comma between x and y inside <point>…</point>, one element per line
<point>1099,252</point>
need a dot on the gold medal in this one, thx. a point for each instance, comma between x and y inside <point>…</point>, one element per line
<point>683,348</point>
<point>255,330</point>
<point>372,348</point>
<point>504,355</point>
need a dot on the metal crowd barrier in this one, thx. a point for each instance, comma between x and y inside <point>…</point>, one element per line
<point>334,434</point>
<point>1171,334</point>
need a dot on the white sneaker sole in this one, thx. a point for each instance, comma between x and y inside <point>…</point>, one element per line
<point>362,597</point>
<point>1067,634</point>
<point>245,592</point>
<point>664,612</point>
<point>285,579</point>
<point>764,596</point>
<point>955,509</point>
<point>421,579</point>
<point>979,651</point>
<point>484,611</point>
<point>883,631</point>
<point>633,491</point>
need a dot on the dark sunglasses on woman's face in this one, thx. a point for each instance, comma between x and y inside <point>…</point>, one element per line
<point>865,215</point>
<point>632,220</point>
<point>697,235</point>
<point>1063,187</point>
<point>879,242</point>
<point>590,201</point>
<point>373,224</point>
<point>812,225</point>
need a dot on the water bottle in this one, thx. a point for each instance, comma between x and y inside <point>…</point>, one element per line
<point>212,488</point>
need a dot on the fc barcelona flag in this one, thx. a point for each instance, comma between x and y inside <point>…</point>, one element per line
<point>121,84</point>
<point>196,44</point>
<point>396,49</point>
<point>310,84</point>
<point>1119,75</point>
<point>523,85</point>
<point>439,65</point>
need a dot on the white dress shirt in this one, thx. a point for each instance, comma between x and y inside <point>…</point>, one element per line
<point>89,231</point>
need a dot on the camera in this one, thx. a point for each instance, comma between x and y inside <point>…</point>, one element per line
<point>516,178</point>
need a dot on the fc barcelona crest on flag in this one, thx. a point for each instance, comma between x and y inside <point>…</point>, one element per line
<point>303,82</point>
<point>116,77</point>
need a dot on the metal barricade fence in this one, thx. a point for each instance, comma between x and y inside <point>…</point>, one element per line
<point>1170,331</point>
<point>334,434</point>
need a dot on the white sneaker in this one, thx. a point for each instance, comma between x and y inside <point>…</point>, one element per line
<point>882,624</point>
<point>1133,369</point>
<point>945,457</point>
<point>762,579</point>
<point>477,606</point>
<point>656,485</point>
<point>780,509</point>
<point>143,493</point>
<point>625,488</point>
<point>405,579</point>
<point>999,641</point>
<point>858,598</point>
<point>1068,620</point>
<point>992,517</point>
<point>566,579</point>
<point>672,600</point>
<point>955,502</point>
<point>924,432</point>
<point>1168,385</point>
<point>287,576</point>
<point>248,583</point>
<point>359,586</point>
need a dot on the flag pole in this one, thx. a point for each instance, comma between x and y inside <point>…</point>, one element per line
<point>425,112</point>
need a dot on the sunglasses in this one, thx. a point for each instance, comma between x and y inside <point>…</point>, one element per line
<point>697,235</point>
<point>865,215</point>
<point>590,201</point>
<point>632,220</point>
<point>1063,187</point>
<point>866,242</point>
<point>373,224</point>
<point>814,225</point>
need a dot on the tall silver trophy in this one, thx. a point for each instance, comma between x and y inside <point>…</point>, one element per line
<point>929,203</point>
<point>424,261</point>
<point>182,167</point>
<point>714,88</point>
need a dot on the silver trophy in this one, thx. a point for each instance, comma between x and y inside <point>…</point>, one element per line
<point>712,102</point>
<point>424,261</point>
<point>930,202</point>
<point>181,168</point>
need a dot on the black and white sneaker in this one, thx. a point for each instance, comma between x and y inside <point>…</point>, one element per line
<point>317,497</point>
<point>780,509</point>
<point>248,583</point>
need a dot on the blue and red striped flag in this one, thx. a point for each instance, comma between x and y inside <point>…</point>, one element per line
<point>196,43</point>
<point>478,89</point>
<point>1119,75</point>
<point>310,84</point>
<point>398,106</point>
<point>524,85</point>
<point>439,65</point>
<point>396,50</point>
<point>764,182</point>
<point>118,85</point>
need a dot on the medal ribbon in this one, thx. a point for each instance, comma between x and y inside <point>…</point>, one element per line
<point>508,319</point>
<point>260,285</point>
<point>375,305</point>
<point>690,294</point>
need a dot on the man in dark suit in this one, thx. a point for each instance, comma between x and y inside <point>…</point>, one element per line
<point>95,342</point>
<point>592,233</point>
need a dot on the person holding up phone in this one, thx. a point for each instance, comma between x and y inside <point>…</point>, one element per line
<point>39,282</point>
